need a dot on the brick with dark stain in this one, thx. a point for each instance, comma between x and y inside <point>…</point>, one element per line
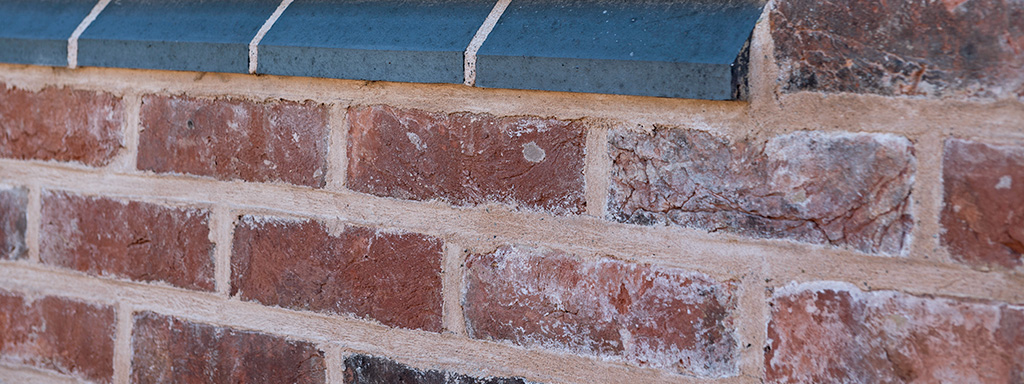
<point>234,139</point>
<point>57,334</point>
<point>983,211</point>
<point>835,333</point>
<point>127,239</point>
<point>364,369</point>
<point>394,278</point>
<point>936,48</point>
<point>845,189</point>
<point>467,158</point>
<point>644,314</point>
<point>13,223</point>
<point>166,349</point>
<point>60,124</point>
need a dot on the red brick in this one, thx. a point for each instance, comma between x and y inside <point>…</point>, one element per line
<point>60,124</point>
<point>13,203</point>
<point>466,158</point>
<point>58,334</point>
<point>234,139</point>
<point>844,189</point>
<point>127,239</point>
<point>832,332</point>
<point>304,264</point>
<point>983,213</point>
<point>364,369</point>
<point>935,48</point>
<point>644,314</point>
<point>170,350</point>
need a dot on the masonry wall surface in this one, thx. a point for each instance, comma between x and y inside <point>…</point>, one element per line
<point>859,219</point>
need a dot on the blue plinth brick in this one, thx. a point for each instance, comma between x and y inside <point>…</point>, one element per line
<point>37,31</point>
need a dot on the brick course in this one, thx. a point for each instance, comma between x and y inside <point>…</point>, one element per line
<point>304,264</point>
<point>234,139</point>
<point>127,239</point>
<point>648,315</point>
<point>842,189</point>
<point>13,223</point>
<point>466,158</point>
<point>171,350</point>
<point>983,210</point>
<point>58,334</point>
<point>60,124</point>
<point>836,333</point>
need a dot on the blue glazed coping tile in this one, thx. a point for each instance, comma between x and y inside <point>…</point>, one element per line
<point>37,31</point>
<point>652,47</point>
<point>393,40</point>
<point>186,35</point>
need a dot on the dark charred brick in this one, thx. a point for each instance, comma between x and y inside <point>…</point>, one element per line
<point>934,48</point>
<point>307,265</point>
<point>232,139</point>
<point>60,124</point>
<point>835,333</point>
<point>466,158</point>
<point>844,189</point>
<point>127,239</point>
<point>363,369</point>
<point>983,214</point>
<point>170,350</point>
<point>57,334</point>
<point>644,314</point>
<point>13,222</point>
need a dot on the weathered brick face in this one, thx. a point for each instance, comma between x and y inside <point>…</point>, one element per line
<point>170,350</point>
<point>60,124</point>
<point>13,223</point>
<point>231,139</point>
<point>364,369</point>
<point>58,334</point>
<point>304,264</point>
<point>836,333</point>
<point>466,158</point>
<point>644,314</point>
<point>842,189</point>
<point>935,48</point>
<point>127,239</point>
<point>983,214</point>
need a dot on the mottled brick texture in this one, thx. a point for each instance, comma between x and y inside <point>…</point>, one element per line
<point>13,203</point>
<point>233,139</point>
<point>934,48</point>
<point>170,350</point>
<point>60,124</point>
<point>363,369</point>
<point>127,239</point>
<point>834,333</point>
<point>304,264</point>
<point>58,334</point>
<point>466,158</point>
<point>844,189</point>
<point>983,212</point>
<point>644,314</point>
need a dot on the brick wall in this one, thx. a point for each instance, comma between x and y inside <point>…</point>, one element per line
<point>859,219</point>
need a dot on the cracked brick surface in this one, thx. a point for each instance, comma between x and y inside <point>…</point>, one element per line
<point>364,369</point>
<point>648,315</point>
<point>302,264</point>
<point>983,210</point>
<point>60,124</point>
<point>933,48</point>
<point>843,189</point>
<point>166,349</point>
<point>58,334</point>
<point>13,222</point>
<point>127,239</point>
<point>467,158</point>
<point>834,333</point>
